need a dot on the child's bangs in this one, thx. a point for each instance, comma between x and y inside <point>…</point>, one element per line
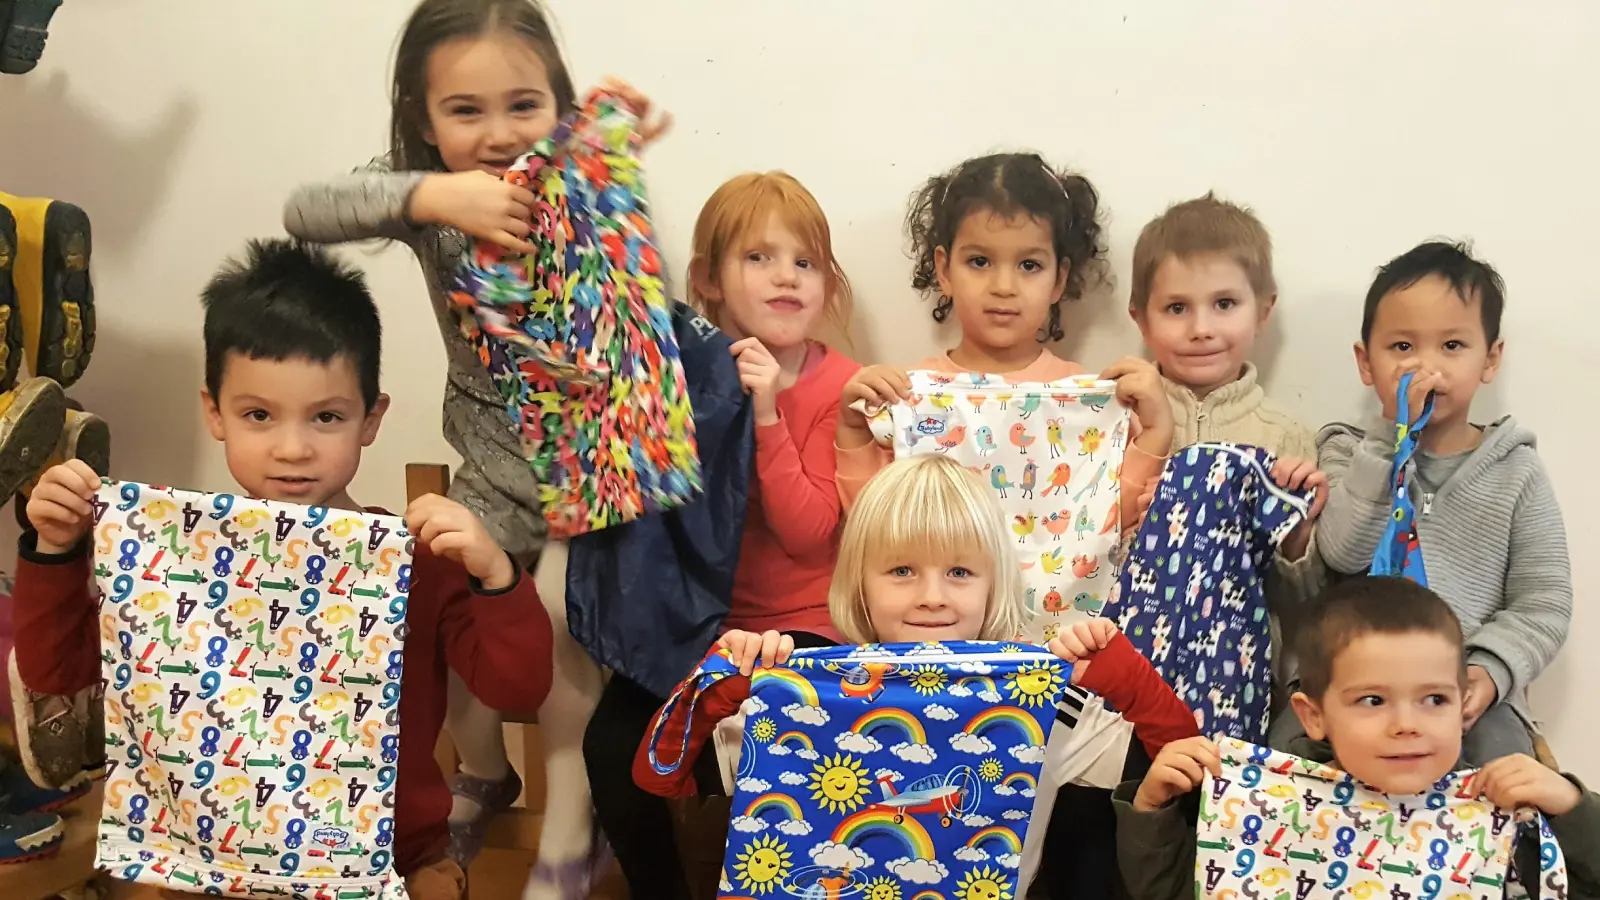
<point>771,197</point>
<point>934,518</point>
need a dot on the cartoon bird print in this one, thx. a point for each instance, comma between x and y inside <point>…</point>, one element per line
<point>1059,480</point>
<point>1030,405</point>
<point>1089,442</point>
<point>984,438</point>
<point>1088,603</point>
<point>1084,566</point>
<point>1113,518</point>
<point>1023,526</point>
<point>1052,436</point>
<point>1057,523</point>
<point>941,400</point>
<point>1051,562</point>
<point>952,438</point>
<point>1093,487</point>
<point>1003,399</point>
<point>1020,438</point>
<point>1053,601</point>
<point>1030,477</point>
<point>977,401</point>
<point>1084,524</point>
<point>997,478</point>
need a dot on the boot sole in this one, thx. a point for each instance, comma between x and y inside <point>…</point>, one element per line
<point>29,431</point>
<point>88,438</point>
<point>66,313</point>
<point>22,43</point>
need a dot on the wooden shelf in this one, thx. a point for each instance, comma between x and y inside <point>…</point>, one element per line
<point>69,867</point>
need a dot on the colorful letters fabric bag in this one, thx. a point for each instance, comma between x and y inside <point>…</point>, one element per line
<point>1191,598</point>
<point>1275,825</point>
<point>1052,452</point>
<point>1399,552</point>
<point>578,336</point>
<point>252,656</point>
<point>884,770</point>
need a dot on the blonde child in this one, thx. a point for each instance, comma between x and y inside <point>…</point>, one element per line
<point>1002,240</point>
<point>477,83</point>
<point>947,573</point>
<point>763,271</point>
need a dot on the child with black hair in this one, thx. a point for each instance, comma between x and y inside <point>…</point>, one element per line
<point>1492,540</point>
<point>1382,687</point>
<point>1001,241</point>
<point>291,390</point>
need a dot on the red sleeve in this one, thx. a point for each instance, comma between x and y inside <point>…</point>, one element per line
<point>799,498</point>
<point>714,704</point>
<point>53,615</point>
<point>499,642</point>
<point>1128,682</point>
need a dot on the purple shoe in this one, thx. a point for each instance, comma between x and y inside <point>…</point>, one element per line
<point>493,797</point>
<point>575,878</point>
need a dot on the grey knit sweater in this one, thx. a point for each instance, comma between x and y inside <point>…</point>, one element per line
<point>495,480</point>
<point>1493,542</point>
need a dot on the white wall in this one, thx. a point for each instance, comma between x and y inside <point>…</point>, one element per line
<point>1355,130</point>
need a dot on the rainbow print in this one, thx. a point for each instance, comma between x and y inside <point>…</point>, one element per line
<point>796,681</point>
<point>1022,778</point>
<point>996,833</point>
<point>1006,715</point>
<point>984,683</point>
<point>789,738</point>
<point>889,717</point>
<point>913,838</point>
<point>781,802</point>
<point>927,895</point>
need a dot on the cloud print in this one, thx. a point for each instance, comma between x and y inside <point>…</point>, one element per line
<point>971,854</point>
<point>754,785</point>
<point>795,827</point>
<point>753,705</point>
<point>1009,860</point>
<point>838,856</point>
<point>928,649</point>
<point>889,773</point>
<point>779,749</point>
<point>1028,754</point>
<point>971,743</point>
<point>747,824</point>
<point>1014,814</point>
<point>857,743</point>
<point>807,753</point>
<point>918,871</point>
<point>792,778</point>
<point>959,690</point>
<point>917,753</point>
<point>989,696</point>
<point>1003,790</point>
<point>975,666</point>
<point>939,713</point>
<point>977,821</point>
<point>806,715</point>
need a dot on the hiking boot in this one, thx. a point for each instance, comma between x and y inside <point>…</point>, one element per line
<point>29,836</point>
<point>51,275</point>
<point>10,312</point>
<point>85,436</point>
<point>32,416</point>
<point>19,795</point>
<point>54,734</point>
<point>24,25</point>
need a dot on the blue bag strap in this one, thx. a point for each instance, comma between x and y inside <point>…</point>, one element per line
<point>715,668</point>
<point>1390,556</point>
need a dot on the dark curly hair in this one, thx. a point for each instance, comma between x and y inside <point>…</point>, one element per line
<point>1008,184</point>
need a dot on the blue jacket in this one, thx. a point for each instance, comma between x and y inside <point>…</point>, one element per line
<point>646,598</point>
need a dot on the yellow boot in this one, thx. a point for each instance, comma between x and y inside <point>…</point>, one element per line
<point>32,416</point>
<point>54,293</point>
<point>10,311</point>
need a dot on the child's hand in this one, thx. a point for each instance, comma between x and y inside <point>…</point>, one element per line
<point>1422,383</point>
<point>1139,387</point>
<point>1081,641</point>
<point>759,372</point>
<point>879,386</point>
<point>1481,694</point>
<point>1514,781</point>
<point>1301,474</point>
<point>59,508</point>
<point>477,203</point>
<point>451,530</point>
<point>746,648</point>
<point>1145,499</point>
<point>649,130</point>
<point>1179,768</point>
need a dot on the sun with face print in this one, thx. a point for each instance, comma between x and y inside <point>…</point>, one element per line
<point>990,770</point>
<point>927,679</point>
<point>763,729</point>
<point>838,783</point>
<point>1034,685</point>
<point>763,865</point>
<point>983,883</point>
<point>882,888</point>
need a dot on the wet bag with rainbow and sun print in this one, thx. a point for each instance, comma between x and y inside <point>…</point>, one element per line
<point>905,770</point>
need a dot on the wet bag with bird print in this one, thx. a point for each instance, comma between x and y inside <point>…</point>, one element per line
<point>252,658</point>
<point>893,770</point>
<point>1275,825</point>
<point>1052,452</point>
